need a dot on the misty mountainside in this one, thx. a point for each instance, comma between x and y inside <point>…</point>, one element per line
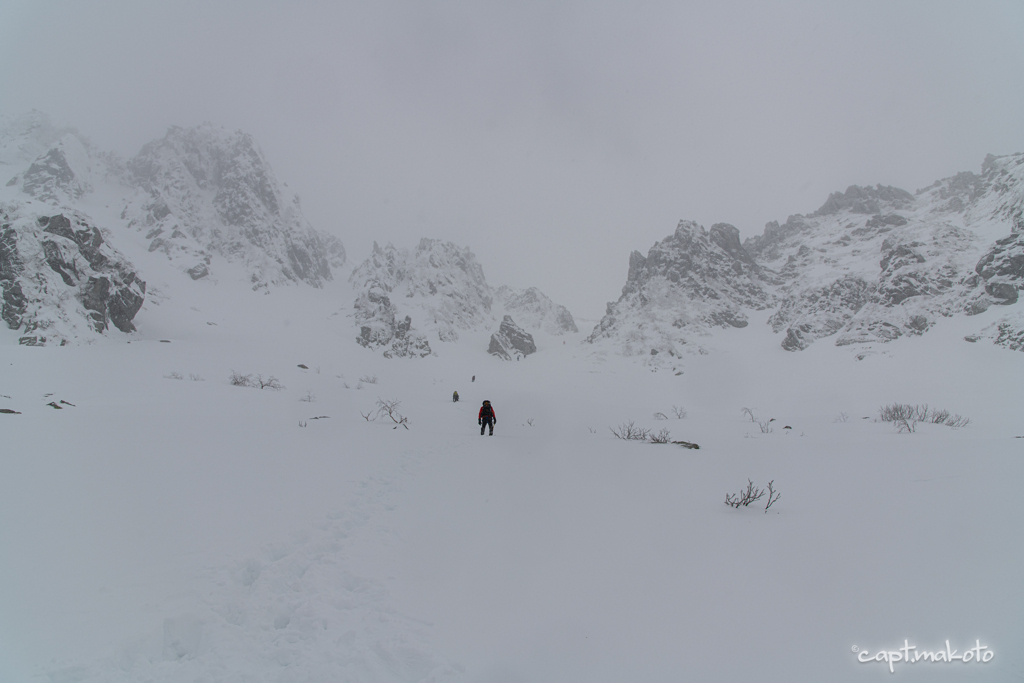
<point>204,190</point>
<point>871,265</point>
<point>407,299</point>
<point>70,214</point>
<point>533,309</point>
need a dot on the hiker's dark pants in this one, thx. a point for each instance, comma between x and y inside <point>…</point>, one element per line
<point>488,422</point>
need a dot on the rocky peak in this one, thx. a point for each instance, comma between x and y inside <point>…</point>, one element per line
<point>511,341</point>
<point>871,265</point>
<point>205,190</point>
<point>438,285</point>
<point>536,311</point>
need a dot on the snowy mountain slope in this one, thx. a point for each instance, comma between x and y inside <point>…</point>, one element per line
<point>204,190</point>
<point>532,309</point>
<point>869,266</point>
<point>690,282</point>
<point>204,200</point>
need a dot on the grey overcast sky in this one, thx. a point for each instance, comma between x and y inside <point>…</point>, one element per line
<point>553,138</point>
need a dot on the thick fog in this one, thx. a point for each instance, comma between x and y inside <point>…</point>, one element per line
<point>552,138</point>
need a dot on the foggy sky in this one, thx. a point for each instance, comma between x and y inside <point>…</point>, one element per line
<point>552,138</point>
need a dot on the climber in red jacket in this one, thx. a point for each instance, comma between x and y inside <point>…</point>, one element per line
<point>486,418</point>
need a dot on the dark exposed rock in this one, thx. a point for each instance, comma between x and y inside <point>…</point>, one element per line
<point>50,176</point>
<point>94,299</point>
<point>14,303</point>
<point>1009,335</point>
<point>125,303</point>
<point>55,259</point>
<point>878,220</point>
<point>1002,268</point>
<point>511,341</point>
<point>10,262</point>
<point>198,272</point>
<point>866,200</point>
<point>95,283</point>
<point>795,340</point>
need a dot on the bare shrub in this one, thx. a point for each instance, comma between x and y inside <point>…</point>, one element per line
<point>750,414</point>
<point>896,411</point>
<point>773,495</point>
<point>529,421</point>
<point>679,412</point>
<point>955,421</point>
<point>842,417</point>
<point>268,383</point>
<point>369,417</point>
<point>661,437</point>
<point>368,379</point>
<point>310,397</point>
<point>766,427</point>
<point>744,497</point>
<point>905,416</point>
<point>174,375</point>
<point>195,378</point>
<point>660,416</point>
<point>237,379</point>
<point>389,409</point>
<point>630,432</point>
<point>908,425</point>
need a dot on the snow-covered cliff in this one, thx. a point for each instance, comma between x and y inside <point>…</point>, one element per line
<point>871,265</point>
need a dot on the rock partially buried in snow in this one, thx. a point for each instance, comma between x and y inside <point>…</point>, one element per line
<point>511,341</point>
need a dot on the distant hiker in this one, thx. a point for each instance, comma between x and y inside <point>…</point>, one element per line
<point>486,418</point>
<point>455,397</point>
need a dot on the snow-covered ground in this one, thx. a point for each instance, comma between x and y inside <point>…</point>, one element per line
<point>164,529</point>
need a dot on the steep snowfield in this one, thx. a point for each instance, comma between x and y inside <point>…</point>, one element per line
<point>178,530</point>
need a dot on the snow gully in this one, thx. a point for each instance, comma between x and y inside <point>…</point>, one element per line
<point>979,653</point>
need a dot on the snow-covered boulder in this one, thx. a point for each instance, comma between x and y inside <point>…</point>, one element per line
<point>511,341</point>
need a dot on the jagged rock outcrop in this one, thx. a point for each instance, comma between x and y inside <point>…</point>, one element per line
<point>438,286</point>
<point>693,280</point>
<point>870,266</point>
<point>1002,269</point>
<point>60,278</point>
<point>536,311</point>
<point>511,341</point>
<point>206,191</point>
<point>869,200</point>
